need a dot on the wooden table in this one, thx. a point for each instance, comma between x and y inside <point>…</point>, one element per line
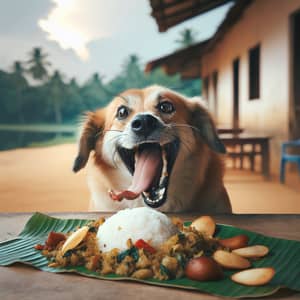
<point>24,282</point>
<point>259,146</point>
<point>229,129</point>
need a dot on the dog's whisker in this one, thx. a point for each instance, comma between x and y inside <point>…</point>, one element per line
<point>116,137</point>
<point>167,135</point>
<point>186,126</point>
<point>186,145</point>
<point>107,130</point>
<point>116,130</point>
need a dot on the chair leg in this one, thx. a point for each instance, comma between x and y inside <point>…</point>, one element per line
<point>282,170</point>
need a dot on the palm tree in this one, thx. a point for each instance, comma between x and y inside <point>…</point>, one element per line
<point>187,38</point>
<point>20,84</point>
<point>56,91</point>
<point>132,72</point>
<point>73,84</point>
<point>38,64</point>
<point>18,68</point>
<point>97,79</point>
<point>94,92</point>
<point>73,103</point>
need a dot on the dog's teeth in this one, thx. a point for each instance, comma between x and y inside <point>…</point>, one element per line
<point>164,172</point>
<point>161,192</point>
<point>135,156</point>
<point>165,163</point>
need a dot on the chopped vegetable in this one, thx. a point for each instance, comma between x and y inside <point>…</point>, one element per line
<point>39,247</point>
<point>68,253</point>
<point>141,244</point>
<point>165,271</point>
<point>54,238</point>
<point>93,229</point>
<point>133,252</point>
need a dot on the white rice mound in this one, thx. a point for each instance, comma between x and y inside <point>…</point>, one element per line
<point>144,223</point>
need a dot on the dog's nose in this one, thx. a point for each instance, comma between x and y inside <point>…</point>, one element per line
<point>144,124</point>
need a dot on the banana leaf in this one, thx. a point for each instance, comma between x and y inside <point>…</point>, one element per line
<point>284,256</point>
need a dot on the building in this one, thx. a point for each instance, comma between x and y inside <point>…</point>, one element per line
<point>250,68</point>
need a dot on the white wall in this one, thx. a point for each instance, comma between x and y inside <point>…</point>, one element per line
<point>264,22</point>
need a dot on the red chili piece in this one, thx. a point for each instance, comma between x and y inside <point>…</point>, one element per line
<point>141,244</point>
<point>39,247</point>
<point>53,239</point>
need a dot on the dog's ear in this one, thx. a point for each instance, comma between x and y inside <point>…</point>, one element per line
<point>202,121</point>
<point>91,130</point>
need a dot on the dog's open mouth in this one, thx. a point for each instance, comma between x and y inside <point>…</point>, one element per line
<point>151,165</point>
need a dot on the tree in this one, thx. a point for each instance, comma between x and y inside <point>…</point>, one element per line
<point>187,38</point>
<point>73,103</point>
<point>56,101</point>
<point>94,92</point>
<point>132,72</point>
<point>158,76</point>
<point>56,89</point>
<point>20,84</point>
<point>38,64</point>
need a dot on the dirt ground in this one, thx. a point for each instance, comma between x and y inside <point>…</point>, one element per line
<point>40,179</point>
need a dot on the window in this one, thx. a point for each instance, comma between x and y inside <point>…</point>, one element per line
<point>254,63</point>
<point>215,84</point>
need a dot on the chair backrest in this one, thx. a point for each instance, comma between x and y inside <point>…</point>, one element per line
<point>294,143</point>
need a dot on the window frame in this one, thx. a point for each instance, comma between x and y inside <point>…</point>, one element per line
<point>254,72</point>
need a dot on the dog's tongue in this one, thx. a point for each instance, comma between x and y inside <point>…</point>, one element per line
<point>148,167</point>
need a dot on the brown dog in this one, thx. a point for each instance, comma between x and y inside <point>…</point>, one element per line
<point>153,147</point>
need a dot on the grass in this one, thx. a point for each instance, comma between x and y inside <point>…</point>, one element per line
<point>30,134</point>
<point>55,141</point>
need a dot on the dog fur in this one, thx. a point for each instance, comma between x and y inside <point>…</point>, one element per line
<point>196,180</point>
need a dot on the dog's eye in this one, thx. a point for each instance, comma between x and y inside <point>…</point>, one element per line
<point>166,107</point>
<point>122,112</point>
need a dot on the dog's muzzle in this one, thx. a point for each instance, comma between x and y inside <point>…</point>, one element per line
<point>144,125</point>
<point>149,162</point>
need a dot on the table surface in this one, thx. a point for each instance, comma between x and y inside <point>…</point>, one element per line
<point>24,282</point>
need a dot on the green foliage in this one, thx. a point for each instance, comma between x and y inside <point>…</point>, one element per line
<point>187,38</point>
<point>38,64</point>
<point>57,100</point>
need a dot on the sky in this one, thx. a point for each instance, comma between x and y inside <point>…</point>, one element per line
<point>82,37</point>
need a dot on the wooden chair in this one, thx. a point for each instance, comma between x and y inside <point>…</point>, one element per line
<point>285,157</point>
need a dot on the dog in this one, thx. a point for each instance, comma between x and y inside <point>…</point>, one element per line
<point>153,147</point>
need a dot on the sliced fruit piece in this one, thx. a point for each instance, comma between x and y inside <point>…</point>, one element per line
<point>74,239</point>
<point>231,260</point>
<point>254,277</point>
<point>235,242</point>
<point>252,251</point>
<point>205,224</point>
